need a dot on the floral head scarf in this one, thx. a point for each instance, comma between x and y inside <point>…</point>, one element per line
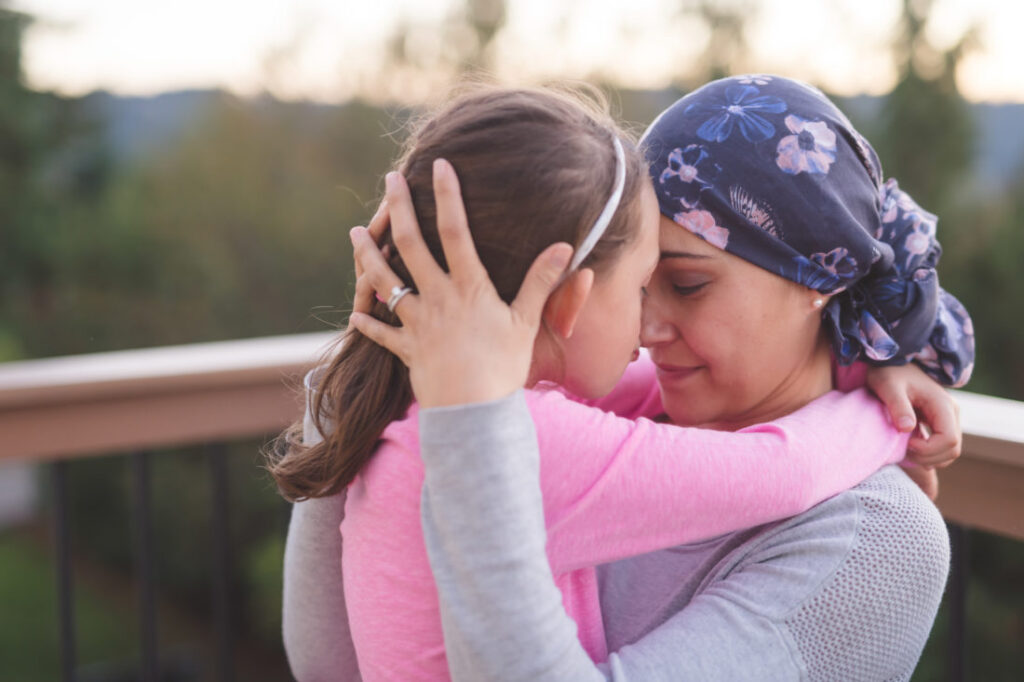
<point>770,170</point>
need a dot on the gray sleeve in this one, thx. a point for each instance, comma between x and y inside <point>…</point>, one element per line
<point>775,615</point>
<point>483,523</point>
<point>317,638</point>
<point>846,591</point>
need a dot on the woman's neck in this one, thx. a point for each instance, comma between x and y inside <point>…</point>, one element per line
<point>809,382</point>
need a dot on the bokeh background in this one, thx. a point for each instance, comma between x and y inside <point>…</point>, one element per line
<point>176,172</point>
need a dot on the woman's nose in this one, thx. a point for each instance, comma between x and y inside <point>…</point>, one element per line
<point>655,328</point>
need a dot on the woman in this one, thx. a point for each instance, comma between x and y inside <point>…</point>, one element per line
<point>770,177</point>
<point>398,307</point>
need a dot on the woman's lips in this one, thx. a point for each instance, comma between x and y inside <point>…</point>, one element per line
<point>675,373</point>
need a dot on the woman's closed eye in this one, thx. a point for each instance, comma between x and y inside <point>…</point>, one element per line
<point>688,289</point>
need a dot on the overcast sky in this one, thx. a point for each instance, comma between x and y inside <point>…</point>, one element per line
<point>327,49</point>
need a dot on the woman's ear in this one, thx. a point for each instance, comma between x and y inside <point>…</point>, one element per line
<point>565,304</point>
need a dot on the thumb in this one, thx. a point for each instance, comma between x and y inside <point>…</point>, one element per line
<point>541,279</point>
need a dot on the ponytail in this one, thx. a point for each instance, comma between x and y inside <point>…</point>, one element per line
<point>363,389</point>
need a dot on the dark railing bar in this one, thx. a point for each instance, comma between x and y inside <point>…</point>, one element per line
<point>960,571</point>
<point>221,554</point>
<point>144,566</point>
<point>65,586</point>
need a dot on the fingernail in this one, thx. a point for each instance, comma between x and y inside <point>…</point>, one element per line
<point>560,256</point>
<point>352,234</point>
<point>906,423</point>
<point>390,179</point>
<point>440,168</point>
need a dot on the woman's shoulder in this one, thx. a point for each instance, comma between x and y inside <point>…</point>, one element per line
<point>887,587</point>
<point>886,515</point>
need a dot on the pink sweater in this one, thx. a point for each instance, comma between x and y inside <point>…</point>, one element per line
<point>614,484</point>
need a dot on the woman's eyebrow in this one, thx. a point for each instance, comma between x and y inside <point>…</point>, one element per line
<point>682,254</point>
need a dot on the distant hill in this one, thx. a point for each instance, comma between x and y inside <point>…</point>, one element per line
<point>999,143</point>
<point>138,126</point>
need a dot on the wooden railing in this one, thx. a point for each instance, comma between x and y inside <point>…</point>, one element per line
<point>134,402</point>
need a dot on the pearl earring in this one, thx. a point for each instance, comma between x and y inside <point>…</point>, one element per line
<point>818,302</point>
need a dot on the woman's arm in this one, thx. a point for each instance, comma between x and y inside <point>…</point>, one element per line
<point>483,524</point>
<point>314,620</point>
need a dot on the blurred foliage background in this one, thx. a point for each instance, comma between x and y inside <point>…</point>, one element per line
<point>193,216</point>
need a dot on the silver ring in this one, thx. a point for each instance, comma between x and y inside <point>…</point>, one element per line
<point>396,295</point>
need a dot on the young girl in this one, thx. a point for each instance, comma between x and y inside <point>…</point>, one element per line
<point>538,170</point>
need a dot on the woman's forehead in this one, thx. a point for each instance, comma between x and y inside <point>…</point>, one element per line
<point>674,238</point>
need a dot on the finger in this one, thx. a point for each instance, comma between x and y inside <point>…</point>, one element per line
<point>541,279</point>
<point>376,272</point>
<point>380,333</point>
<point>405,232</point>
<point>380,222</point>
<point>944,443</point>
<point>894,396</point>
<point>362,301</point>
<point>452,225</point>
<point>938,450</point>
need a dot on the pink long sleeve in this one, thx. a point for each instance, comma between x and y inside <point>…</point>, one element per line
<point>614,487</point>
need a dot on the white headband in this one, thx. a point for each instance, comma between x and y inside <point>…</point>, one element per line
<point>601,224</point>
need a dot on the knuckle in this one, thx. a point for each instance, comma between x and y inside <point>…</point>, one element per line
<point>403,240</point>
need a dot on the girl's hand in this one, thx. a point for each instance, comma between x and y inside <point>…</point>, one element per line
<point>460,341</point>
<point>907,391</point>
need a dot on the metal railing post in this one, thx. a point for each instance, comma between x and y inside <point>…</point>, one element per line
<point>958,577</point>
<point>221,555</point>
<point>144,566</point>
<point>65,585</point>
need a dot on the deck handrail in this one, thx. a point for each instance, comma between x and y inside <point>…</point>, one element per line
<point>152,398</point>
<point>106,403</point>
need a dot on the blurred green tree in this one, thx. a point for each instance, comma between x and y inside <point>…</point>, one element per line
<point>52,165</point>
<point>926,134</point>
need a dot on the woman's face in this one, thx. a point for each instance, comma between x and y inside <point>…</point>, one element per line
<point>606,336</point>
<point>734,344</point>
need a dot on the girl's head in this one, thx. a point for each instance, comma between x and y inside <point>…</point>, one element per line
<point>535,167</point>
<point>539,167</point>
<point>780,238</point>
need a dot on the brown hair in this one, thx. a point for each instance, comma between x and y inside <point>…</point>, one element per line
<point>536,167</point>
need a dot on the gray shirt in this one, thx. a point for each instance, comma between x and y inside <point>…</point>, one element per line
<point>847,590</point>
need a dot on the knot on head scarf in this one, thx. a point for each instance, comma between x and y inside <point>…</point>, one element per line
<point>768,169</point>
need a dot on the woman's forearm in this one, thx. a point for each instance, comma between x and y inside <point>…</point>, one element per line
<point>483,524</point>
<point>317,637</point>
<point>314,620</point>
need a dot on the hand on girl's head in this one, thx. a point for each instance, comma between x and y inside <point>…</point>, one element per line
<point>461,342</point>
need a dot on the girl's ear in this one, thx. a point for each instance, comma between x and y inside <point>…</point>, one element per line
<point>564,305</point>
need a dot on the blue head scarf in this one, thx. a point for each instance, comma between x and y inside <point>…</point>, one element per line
<point>768,169</point>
